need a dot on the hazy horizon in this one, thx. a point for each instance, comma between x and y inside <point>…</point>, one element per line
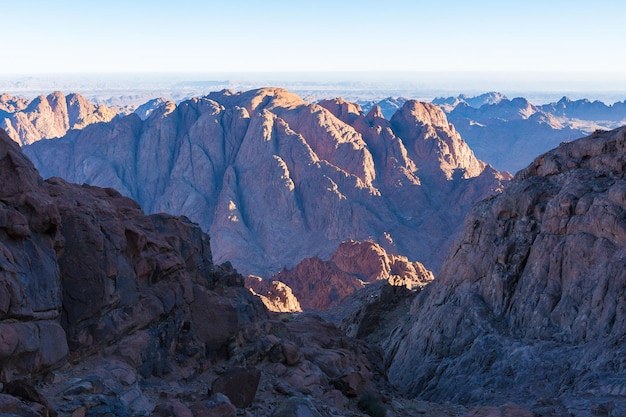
<point>538,87</point>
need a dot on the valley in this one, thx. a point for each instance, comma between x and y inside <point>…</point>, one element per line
<point>398,273</point>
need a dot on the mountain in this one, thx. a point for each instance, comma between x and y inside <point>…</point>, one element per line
<point>529,306</point>
<point>449,103</point>
<point>510,133</point>
<point>388,106</point>
<point>52,116</point>
<point>275,179</point>
<point>584,109</point>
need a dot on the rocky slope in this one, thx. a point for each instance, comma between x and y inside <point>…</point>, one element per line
<point>321,285</point>
<point>276,180</point>
<point>107,311</point>
<point>45,117</point>
<point>530,302</point>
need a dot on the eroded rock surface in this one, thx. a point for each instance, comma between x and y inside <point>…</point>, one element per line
<point>530,303</point>
<point>107,311</point>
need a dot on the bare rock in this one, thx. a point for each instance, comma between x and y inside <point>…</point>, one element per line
<point>532,290</point>
<point>277,296</point>
<point>50,116</point>
<point>297,407</point>
<point>321,285</point>
<point>12,406</point>
<point>172,409</point>
<point>239,385</point>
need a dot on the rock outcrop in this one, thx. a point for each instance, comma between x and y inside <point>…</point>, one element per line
<point>275,180</point>
<point>52,116</point>
<point>321,285</point>
<point>530,302</point>
<point>277,296</point>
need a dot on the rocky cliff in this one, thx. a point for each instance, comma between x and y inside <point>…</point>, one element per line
<point>276,180</point>
<point>530,302</point>
<point>45,117</point>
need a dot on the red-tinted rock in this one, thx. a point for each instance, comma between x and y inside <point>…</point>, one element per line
<point>322,285</point>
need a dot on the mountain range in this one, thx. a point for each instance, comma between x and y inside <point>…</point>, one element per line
<point>107,310</point>
<point>509,133</point>
<point>275,179</point>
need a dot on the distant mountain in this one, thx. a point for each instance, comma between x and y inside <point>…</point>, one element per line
<point>146,109</point>
<point>510,133</point>
<point>587,110</point>
<point>449,103</point>
<point>276,180</point>
<point>45,117</point>
<point>388,106</point>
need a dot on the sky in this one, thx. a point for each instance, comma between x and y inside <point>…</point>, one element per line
<point>573,38</point>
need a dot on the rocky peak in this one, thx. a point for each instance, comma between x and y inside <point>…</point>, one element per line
<point>265,182</point>
<point>375,113</point>
<point>341,109</point>
<point>255,100</point>
<point>433,143</point>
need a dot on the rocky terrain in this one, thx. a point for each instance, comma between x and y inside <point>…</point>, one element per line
<point>321,285</point>
<point>529,304</point>
<point>107,311</point>
<point>276,180</point>
<point>27,121</point>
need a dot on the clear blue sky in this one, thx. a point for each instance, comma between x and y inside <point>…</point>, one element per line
<point>44,36</point>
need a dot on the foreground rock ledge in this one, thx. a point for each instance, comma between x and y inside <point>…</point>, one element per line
<point>530,302</point>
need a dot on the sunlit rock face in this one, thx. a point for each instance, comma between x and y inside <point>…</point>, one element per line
<point>532,291</point>
<point>52,116</point>
<point>275,179</point>
<point>323,284</point>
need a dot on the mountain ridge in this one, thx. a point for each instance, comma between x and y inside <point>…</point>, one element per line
<point>328,175</point>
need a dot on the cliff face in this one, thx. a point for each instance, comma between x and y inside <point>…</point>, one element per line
<point>533,291</point>
<point>45,117</point>
<point>276,180</point>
